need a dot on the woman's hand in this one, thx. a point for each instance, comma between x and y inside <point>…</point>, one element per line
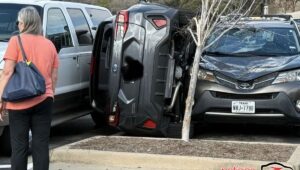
<point>2,110</point>
<point>8,70</point>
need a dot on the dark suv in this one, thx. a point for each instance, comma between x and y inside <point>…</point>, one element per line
<point>249,75</point>
<point>150,34</point>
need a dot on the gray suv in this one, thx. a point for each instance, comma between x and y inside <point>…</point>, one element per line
<point>252,74</point>
<point>71,27</point>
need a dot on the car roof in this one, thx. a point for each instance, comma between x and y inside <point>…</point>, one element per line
<point>42,3</point>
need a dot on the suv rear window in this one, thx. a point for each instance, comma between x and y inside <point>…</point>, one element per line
<point>8,18</point>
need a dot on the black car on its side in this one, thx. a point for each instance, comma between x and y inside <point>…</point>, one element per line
<point>151,35</point>
<point>251,74</point>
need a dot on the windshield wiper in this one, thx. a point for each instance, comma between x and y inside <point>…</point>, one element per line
<point>249,53</point>
<point>216,53</point>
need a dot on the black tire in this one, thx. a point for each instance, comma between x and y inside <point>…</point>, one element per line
<point>185,17</point>
<point>296,130</point>
<point>100,119</point>
<point>175,130</point>
<point>5,147</point>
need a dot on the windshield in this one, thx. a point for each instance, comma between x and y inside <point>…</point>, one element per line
<point>8,18</point>
<point>255,41</point>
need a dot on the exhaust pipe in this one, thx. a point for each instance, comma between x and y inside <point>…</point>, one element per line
<point>170,107</point>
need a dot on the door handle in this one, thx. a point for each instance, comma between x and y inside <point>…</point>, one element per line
<point>77,60</point>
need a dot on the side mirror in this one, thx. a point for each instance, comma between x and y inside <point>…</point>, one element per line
<point>132,69</point>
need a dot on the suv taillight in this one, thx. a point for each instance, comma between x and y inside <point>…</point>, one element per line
<point>122,22</point>
<point>160,23</point>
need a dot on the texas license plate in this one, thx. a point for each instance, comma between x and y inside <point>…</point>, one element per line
<point>243,107</point>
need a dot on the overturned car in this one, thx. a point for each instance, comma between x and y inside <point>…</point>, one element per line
<point>249,75</point>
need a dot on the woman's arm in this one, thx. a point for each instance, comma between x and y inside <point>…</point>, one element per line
<point>8,70</point>
<point>54,79</point>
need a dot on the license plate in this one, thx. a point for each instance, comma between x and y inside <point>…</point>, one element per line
<point>243,107</point>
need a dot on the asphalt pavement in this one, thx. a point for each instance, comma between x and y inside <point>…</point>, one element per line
<point>84,128</point>
<point>66,133</point>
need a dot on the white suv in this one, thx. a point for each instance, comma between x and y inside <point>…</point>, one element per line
<point>71,27</point>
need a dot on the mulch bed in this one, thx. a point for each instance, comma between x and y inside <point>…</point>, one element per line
<point>196,147</point>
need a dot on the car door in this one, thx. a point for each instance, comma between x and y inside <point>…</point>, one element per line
<point>59,30</point>
<point>85,41</point>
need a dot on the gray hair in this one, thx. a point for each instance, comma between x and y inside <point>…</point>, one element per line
<point>31,19</point>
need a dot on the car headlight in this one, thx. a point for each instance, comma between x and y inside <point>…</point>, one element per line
<point>206,75</point>
<point>288,76</point>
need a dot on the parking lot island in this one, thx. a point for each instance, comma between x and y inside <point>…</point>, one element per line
<point>162,153</point>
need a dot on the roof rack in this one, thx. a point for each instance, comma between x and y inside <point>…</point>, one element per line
<point>285,17</point>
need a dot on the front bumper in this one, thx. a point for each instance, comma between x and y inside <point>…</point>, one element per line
<point>273,104</point>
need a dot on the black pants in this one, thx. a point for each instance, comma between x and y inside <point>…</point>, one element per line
<point>38,119</point>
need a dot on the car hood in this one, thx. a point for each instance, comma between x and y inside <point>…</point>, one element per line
<point>249,68</point>
<point>3,46</point>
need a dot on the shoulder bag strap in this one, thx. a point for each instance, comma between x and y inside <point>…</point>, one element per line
<point>22,49</point>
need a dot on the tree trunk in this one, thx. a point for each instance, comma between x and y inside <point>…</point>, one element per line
<point>190,98</point>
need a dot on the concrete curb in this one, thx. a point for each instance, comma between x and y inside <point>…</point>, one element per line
<point>295,158</point>
<point>155,161</point>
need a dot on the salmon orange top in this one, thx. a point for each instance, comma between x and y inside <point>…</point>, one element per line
<point>42,53</point>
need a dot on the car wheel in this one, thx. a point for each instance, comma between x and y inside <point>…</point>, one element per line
<point>5,146</point>
<point>100,119</point>
<point>185,17</point>
<point>175,130</point>
<point>297,130</point>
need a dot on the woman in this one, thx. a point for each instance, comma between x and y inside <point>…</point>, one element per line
<point>32,114</point>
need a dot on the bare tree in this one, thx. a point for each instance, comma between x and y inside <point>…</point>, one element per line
<point>210,20</point>
<point>285,5</point>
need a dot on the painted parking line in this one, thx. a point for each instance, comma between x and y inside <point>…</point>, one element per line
<point>29,166</point>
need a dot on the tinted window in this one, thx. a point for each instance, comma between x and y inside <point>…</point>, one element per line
<point>82,29</point>
<point>57,29</point>
<point>257,41</point>
<point>97,15</point>
<point>8,18</point>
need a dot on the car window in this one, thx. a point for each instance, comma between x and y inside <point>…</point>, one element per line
<point>57,29</point>
<point>257,41</point>
<point>82,29</point>
<point>97,15</point>
<point>8,18</point>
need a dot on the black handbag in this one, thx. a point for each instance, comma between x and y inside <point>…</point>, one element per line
<point>26,81</point>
